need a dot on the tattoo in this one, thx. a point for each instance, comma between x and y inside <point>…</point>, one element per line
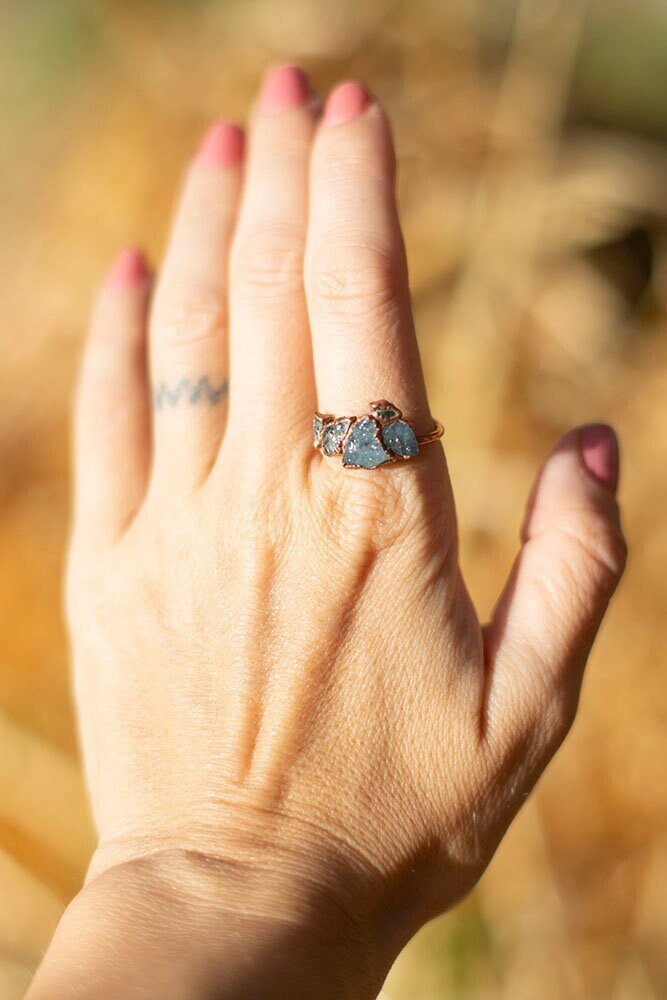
<point>188,392</point>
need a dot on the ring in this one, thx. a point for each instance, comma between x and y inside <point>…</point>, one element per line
<point>371,440</point>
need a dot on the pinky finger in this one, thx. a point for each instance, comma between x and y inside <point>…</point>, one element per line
<point>111,424</point>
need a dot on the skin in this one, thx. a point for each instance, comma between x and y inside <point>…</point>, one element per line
<point>300,743</point>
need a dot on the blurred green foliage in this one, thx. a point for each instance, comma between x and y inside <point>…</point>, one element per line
<point>620,76</point>
<point>621,70</point>
<point>45,46</point>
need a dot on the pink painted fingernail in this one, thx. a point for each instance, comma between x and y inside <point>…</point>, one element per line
<point>129,268</point>
<point>285,87</point>
<point>222,146</point>
<point>600,453</point>
<point>346,101</point>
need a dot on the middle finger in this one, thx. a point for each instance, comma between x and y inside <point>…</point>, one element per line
<point>271,363</point>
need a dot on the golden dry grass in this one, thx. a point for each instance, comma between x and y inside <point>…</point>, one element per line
<point>538,254</point>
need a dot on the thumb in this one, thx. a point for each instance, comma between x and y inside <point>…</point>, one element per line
<point>572,557</point>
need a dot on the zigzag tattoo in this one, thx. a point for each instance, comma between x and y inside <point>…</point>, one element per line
<point>188,392</point>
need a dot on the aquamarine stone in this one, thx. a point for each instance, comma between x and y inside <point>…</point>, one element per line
<point>320,421</point>
<point>400,439</point>
<point>363,448</point>
<point>384,410</point>
<point>333,434</point>
<point>318,424</point>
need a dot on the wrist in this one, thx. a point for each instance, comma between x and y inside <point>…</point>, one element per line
<point>184,924</point>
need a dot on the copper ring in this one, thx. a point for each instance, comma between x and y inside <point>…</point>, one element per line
<point>372,440</point>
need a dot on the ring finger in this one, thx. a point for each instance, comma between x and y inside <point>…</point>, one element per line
<point>188,350</point>
<point>271,361</point>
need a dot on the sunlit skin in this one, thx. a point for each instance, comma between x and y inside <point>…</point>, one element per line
<point>299,741</point>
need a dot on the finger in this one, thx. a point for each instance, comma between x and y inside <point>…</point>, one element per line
<point>572,558</point>
<point>270,343</point>
<point>188,338</point>
<point>111,426</point>
<point>364,341</point>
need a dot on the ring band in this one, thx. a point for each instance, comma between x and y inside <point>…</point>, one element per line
<point>371,440</point>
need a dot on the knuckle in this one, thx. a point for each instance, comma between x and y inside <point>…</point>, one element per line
<point>116,329</point>
<point>559,716</point>
<point>101,407</point>
<point>523,744</point>
<point>186,316</point>
<point>355,163</point>
<point>550,722</point>
<point>614,555</point>
<point>110,314</point>
<point>357,277</point>
<point>207,201</point>
<point>102,393</point>
<point>378,514</point>
<point>598,552</point>
<point>280,152</point>
<point>554,707</point>
<point>268,262</point>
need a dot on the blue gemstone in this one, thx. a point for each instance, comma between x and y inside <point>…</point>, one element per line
<point>318,424</point>
<point>333,434</point>
<point>400,439</point>
<point>363,448</point>
<point>384,410</point>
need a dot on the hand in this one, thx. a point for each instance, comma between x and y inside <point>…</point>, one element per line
<point>290,715</point>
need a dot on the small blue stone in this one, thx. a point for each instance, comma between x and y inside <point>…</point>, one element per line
<point>318,424</point>
<point>363,448</point>
<point>384,410</point>
<point>333,434</point>
<point>400,439</point>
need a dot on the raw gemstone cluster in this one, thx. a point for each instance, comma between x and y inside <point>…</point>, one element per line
<point>369,441</point>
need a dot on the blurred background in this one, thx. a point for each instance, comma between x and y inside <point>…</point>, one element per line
<point>533,181</point>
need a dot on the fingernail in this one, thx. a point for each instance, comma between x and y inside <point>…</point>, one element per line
<point>346,101</point>
<point>599,453</point>
<point>222,146</point>
<point>129,268</point>
<point>285,87</point>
